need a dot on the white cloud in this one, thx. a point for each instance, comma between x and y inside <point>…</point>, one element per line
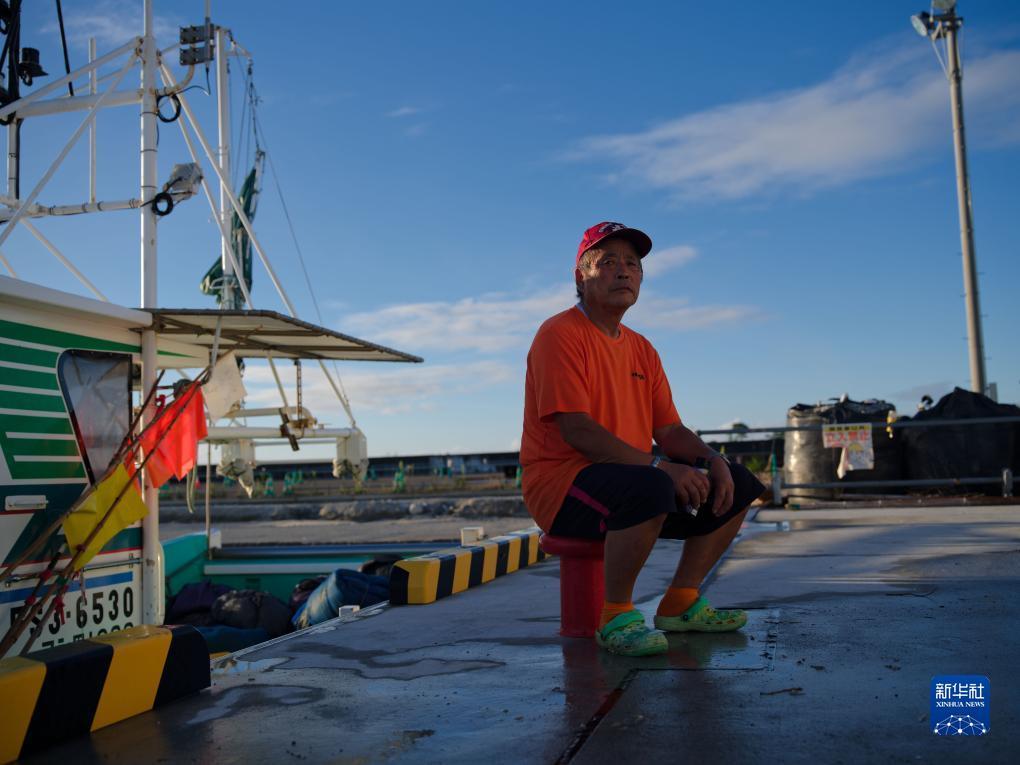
<point>678,315</point>
<point>488,324</point>
<point>112,23</point>
<point>497,323</point>
<point>404,111</point>
<point>661,261</point>
<point>386,388</point>
<point>867,120</point>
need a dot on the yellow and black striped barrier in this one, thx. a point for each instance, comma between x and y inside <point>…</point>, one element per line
<point>70,690</point>
<point>427,578</point>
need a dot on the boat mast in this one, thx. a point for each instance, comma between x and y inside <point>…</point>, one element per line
<point>229,299</point>
<point>152,550</point>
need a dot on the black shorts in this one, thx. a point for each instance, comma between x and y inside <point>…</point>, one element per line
<point>608,497</point>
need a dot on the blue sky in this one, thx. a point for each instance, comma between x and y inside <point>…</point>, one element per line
<point>794,168</point>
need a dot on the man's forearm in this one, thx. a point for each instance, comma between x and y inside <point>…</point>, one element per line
<point>682,443</point>
<point>596,443</point>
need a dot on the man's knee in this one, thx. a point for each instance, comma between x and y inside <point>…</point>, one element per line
<point>660,487</point>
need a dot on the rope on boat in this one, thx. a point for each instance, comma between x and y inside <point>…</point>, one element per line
<point>65,576</point>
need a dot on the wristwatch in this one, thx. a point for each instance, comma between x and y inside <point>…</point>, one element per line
<point>655,461</point>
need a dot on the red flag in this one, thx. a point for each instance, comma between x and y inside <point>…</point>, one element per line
<point>191,428</point>
<point>175,445</point>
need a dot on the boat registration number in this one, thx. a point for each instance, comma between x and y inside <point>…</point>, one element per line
<point>110,601</point>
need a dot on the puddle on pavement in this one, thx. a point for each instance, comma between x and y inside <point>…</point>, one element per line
<point>232,666</point>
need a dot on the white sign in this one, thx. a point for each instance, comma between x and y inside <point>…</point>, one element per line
<point>111,601</point>
<point>855,441</point>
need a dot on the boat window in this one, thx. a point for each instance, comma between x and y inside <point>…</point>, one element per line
<point>97,391</point>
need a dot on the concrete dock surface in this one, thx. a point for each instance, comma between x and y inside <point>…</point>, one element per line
<point>852,613</point>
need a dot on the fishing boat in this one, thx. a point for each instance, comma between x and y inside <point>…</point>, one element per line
<point>80,375</point>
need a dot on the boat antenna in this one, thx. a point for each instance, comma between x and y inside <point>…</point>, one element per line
<point>63,42</point>
<point>341,391</point>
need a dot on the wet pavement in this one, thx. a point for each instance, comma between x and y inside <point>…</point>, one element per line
<point>851,614</point>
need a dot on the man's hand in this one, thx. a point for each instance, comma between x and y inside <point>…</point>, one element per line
<point>690,484</point>
<point>722,485</point>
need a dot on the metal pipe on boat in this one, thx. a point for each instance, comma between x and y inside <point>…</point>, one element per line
<point>208,499</point>
<point>152,551</point>
<point>270,411</point>
<point>223,434</point>
<point>21,103</point>
<point>42,211</point>
<point>60,256</point>
<point>77,104</point>
<point>227,299</point>
<point>168,77</point>
<point>14,159</point>
<point>279,384</point>
<point>92,127</point>
<point>30,199</point>
<point>169,81</point>
<point>7,264</point>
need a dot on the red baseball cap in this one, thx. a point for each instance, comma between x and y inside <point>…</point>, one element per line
<point>641,241</point>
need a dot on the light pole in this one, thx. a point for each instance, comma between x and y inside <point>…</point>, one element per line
<point>945,25</point>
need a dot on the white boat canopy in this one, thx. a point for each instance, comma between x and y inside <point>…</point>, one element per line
<point>266,334</point>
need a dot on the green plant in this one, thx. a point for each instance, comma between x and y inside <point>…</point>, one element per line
<point>756,464</point>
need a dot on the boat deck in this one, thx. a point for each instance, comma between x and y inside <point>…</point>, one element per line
<point>852,612</point>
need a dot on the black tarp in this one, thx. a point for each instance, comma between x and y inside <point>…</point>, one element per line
<point>963,451</point>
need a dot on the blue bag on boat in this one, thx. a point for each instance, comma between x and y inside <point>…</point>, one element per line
<point>343,587</point>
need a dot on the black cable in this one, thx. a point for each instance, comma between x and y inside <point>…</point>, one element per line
<point>290,223</point>
<point>177,108</point>
<point>11,41</point>
<point>63,41</point>
<point>7,42</point>
<point>162,204</point>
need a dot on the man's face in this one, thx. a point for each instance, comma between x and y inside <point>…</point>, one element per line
<point>614,279</point>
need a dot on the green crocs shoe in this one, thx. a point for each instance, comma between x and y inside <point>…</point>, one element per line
<point>628,635</point>
<point>701,617</point>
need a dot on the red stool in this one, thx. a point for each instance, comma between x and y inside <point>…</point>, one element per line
<point>582,586</point>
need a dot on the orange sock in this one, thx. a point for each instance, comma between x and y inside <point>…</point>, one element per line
<point>677,600</point>
<point>611,610</point>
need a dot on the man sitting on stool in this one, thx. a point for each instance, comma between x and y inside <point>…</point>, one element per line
<point>595,397</point>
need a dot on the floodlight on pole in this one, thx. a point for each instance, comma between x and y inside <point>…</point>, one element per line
<point>922,23</point>
<point>946,25</point>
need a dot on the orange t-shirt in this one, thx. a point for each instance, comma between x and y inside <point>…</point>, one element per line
<point>574,367</point>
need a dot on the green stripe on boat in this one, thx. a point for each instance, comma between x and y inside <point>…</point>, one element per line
<point>42,470</point>
<point>24,378</point>
<point>31,356</point>
<point>124,540</point>
<point>43,336</point>
<point>26,423</point>
<point>41,447</point>
<point>32,402</point>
